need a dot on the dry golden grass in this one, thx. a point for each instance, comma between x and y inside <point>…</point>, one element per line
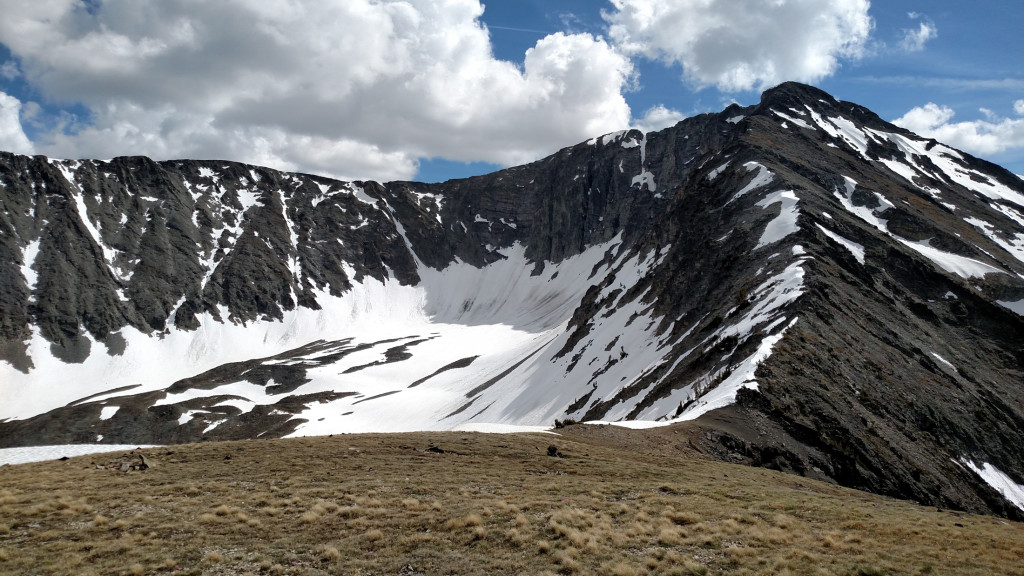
<point>383,504</point>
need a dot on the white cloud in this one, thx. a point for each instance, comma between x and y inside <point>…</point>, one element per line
<point>1018,107</point>
<point>12,136</point>
<point>743,44</point>
<point>9,70</point>
<point>980,137</point>
<point>914,39</point>
<point>352,88</point>
<point>657,118</point>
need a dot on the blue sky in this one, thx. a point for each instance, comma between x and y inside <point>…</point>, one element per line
<point>430,90</point>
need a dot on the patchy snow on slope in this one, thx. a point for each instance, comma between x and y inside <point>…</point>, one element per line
<point>436,199</point>
<point>67,169</point>
<point>621,345</point>
<point>999,481</point>
<point>856,249</point>
<point>714,173</point>
<point>631,143</point>
<point>735,119</point>
<point>742,376</point>
<point>607,138</point>
<point>645,178</point>
<point>951,164</point>
<point>843,129</point>
<point>785,223</point>
<point>763,177</point>
<point>1014,244</point>
<point>866,214</point>
<point>960,265</point>
<point>1009,212</point>
<point>770,298</point>
<point>765,315</point>
<point>796,121</point>
<point>28,258</point>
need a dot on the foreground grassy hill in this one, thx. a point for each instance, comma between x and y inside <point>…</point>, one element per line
<point>608,501</point>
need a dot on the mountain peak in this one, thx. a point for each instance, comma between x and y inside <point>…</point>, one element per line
<point>795,93</point>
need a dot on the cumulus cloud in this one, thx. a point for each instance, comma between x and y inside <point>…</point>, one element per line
<point>12,136</point>
<point>657,118</point>
<point>914,39</point>
<point>743,44</point>
<point>352,88</point>
<point>980,137</point>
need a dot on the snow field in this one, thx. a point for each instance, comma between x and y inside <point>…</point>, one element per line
<point>25,454</point>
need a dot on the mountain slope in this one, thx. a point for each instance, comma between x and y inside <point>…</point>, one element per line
<point>825,292</point>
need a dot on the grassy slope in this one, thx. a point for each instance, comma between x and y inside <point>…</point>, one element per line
<point>615,503</point>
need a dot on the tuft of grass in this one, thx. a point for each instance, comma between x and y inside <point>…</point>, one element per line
<point>669,537</point>
<point>478,533</point>
<point>214,557</point>
<point>328,553</point>
<point>681,518</point>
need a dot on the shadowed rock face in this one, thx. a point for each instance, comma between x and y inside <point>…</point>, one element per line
<point>824,292</point>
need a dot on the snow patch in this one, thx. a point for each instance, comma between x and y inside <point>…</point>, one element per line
<point>863,212</point>
<point>362,196</point>
<point>107,412</point>
<point>28,258</point>
<point>26,454</point>
<point>842,129</point>
<point>189,415</point>
<point>785,223</point>
<point>714,173</point>
<point>763,177</point>
<point>1016,306</point>
<point>796,121</point>
<point>999,481</point>
<point>960,265</point>
<point>856,249</point>
<point>742,377</point>
<point>944,361</point>
<point>645,178</point>
<point>1014,244</point>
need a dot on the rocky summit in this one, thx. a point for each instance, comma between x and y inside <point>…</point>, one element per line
<point>810,288</point>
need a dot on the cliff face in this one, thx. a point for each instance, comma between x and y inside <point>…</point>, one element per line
<point>824,292</point>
